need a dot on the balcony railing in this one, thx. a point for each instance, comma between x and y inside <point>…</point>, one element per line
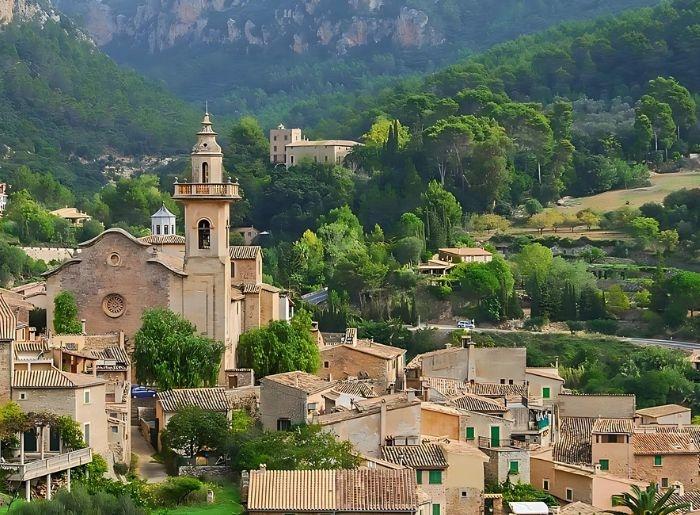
<point>488,443</point>
<point>50,465</point>
<point>226,190</point>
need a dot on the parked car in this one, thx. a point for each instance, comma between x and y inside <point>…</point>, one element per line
<point>142,392</point>
<point>466,324</point>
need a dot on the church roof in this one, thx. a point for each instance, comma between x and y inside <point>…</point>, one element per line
<point>244,251</point>
<point>113,230</point>
<point>163,212</point>
<point>173,263</point>
<point>163,239</point>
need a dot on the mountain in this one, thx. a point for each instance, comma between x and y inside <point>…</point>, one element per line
<point>69,110</point>
<point>281,58</point>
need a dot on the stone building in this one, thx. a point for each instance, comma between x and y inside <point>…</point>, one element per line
<point>668,414</point>
<point>288,147</point>
<point>3,197</point>
<point>73,215</point>
<point>218,288</point>
<point>364,359</point>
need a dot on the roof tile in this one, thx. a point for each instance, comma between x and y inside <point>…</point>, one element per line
<point>210,399</point>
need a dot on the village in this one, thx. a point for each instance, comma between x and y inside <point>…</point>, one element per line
<point>430,436</point>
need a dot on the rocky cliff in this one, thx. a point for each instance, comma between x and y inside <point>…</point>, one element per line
<point>297,25</point>
<point>11,10</point>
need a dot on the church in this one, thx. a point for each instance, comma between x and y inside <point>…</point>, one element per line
<point>219,288</point>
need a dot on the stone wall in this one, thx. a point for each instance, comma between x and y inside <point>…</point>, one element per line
<point>205,471</point>
<point>341,362</point>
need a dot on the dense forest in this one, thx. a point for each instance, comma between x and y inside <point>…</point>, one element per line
<point>68,110</point>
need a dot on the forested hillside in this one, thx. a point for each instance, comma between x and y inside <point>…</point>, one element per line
<point>289,60</point>
<point>65,107</point>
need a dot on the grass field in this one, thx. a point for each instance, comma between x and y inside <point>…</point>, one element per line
<point>226,502</point>
<point>661,185</point>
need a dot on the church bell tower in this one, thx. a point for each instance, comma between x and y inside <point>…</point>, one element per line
<point>206,291</point>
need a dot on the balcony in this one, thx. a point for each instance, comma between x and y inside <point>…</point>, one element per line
<point>50,465</point>
<point>207,190</point>
<point>510,444</point>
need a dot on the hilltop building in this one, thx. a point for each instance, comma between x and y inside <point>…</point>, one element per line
<point>3,197</point>
<point>73,215</point>
<point>288,147</point>
<point>220,289</point>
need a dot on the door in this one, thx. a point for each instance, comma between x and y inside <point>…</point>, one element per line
<point>54,440</point>
<point>30,441</point>
<point>495,436</point>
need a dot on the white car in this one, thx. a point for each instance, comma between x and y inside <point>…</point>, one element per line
<point>466,324</point>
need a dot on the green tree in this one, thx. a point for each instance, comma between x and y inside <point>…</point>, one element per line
<point>645,230</point>
<point>588,217</point>
<point>65,314</point>
<point>682,103</point>
<point>280,347</point>
<point>193,430</point>
<point>647,502</point>
<point>441,214</point>
<point>661,118</point>
<point>304,447</point>
<point>170,353</point>
<point>616,300</point>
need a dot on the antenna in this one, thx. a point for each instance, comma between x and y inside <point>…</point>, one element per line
<point>206,107</point>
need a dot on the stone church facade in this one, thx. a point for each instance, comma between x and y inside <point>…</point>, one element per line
<point>219,288</point>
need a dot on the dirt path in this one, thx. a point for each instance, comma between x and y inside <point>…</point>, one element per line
<point>146,468</point>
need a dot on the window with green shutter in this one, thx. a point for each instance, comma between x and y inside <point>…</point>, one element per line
<point>470,433</point>
<point>436,509</point>
<point>604,464</point>
<point>514,467</point>
<point>658,460</point>
<point>419,477</point>
<point>435,477</point>
<point>546,392</point>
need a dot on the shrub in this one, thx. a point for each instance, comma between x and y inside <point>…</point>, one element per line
<point>121,468</point>
<point>175,490</point>
<point>535,323</point>
<point>602,326</point>
<point>575,326</point>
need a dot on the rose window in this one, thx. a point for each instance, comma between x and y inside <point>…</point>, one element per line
<point>113,305</point>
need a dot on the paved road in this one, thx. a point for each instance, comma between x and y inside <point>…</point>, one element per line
<point>146,469</point>
<point>674,344</point>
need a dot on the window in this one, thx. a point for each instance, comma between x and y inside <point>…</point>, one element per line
<point>204,230</point>
<point>569,494</point>
<point>503,381</point>
<point>436,509</point>
<point>514,467</point>
<point>274,138</point>
<point>284,424</point>
<point>546,392</point>
<point>435,477</point>
<point>23,396</point>
<point>158,229</point>
<point>115,429</point>
<point>510,381</point>
<point>172,229</point>
<point>205,172</point>
<point>464,494</point>
<point>325,158</point>
<point>545,485</point>
<point>470,433</point>
<point>419,477</point>
<point>664,482</point>
<point>658,460</point>
<point>292,159</point>
<point>326,364</point>
<point>604,464</point>
<point>312,406</point>
<point>275,148</point>
<point>166,229</point>
<point>86,433</point>
<point>86,397</point>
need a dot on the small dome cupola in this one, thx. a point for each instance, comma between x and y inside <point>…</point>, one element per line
<point>207,159</point>
<point>163,222</point>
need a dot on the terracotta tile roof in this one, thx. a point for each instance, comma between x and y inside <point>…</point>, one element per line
<point>209,399</point>
<point>579,508</point>
<point>116,353</point>
<point>244,251</point>
<point>372,348</point>
<point>173,263</point>
<point>662,411</point>
<point>465,251</point>
<point>163,239</point>
<point>663,443</point>
<point>358,388</point>
<point>497,389</point>
<point>8,321</point>
<point>574,443</point>
<point>445,385</point>
<point>367,407</point>
<point>367,490</point>
<point>613,425</point>
<point>424,456</point>
<point>52,378</point>
<point>307,383</point>
<point>692,497</point>
<point>360,490</point>
<point>37,347</point>
<point>471,402</point>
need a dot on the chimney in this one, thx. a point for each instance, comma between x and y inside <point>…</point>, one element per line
<point>679,488</point>
<point>314,325</point>
<point>382,421</point>
<point>263,467</point>
<point>467,340</point>
<point>448,345</point>
<point>245,485</point>
<point>82,326</point>
<point>351,336</point>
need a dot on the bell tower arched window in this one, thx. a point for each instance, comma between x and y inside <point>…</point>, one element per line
<point>205,172</point>
<point>204,233</point>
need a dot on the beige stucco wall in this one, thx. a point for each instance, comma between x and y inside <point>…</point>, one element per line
<point>324,154</point>
<point>365,432</point>
<point>435,423</point>
<point>70,402</point>
<point>496,363</point>
<point>269,306</point>
<point>594,406</point>
<point>619,455</point>
<point>247,270</point>
<point>278,139</point>
<point>464,474</point>
<point>682,418</point>
<point>280,401</point>
<point>538,383</point>
<point>498,467</point>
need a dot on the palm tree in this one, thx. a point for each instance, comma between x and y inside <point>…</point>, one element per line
<point>647,502</point>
